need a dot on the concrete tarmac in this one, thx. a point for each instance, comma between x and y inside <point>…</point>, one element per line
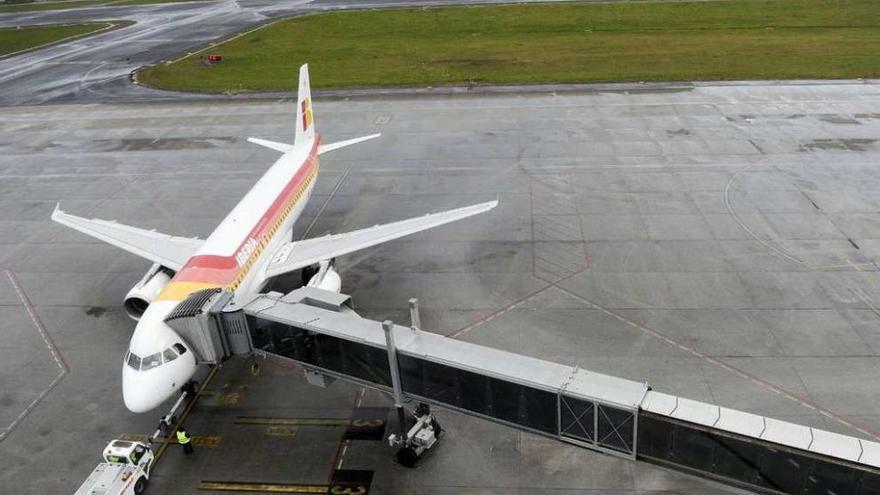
<point>641,234</point>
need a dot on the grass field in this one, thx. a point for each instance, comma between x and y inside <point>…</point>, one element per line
<point>148,2</point>
<point>544,43</point>
<point>35,6</point>
<point>14,40</point>
<point>74,4</point>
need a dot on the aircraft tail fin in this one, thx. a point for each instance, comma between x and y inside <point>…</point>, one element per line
<point>305,121</point>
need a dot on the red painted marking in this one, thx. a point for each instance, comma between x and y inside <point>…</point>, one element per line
<point>223,270</point>
<point>304,117</point>
<point>211,261</point>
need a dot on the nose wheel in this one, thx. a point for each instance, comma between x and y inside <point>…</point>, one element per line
<point>190,387</point>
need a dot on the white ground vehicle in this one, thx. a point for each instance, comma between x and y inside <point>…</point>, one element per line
<point>125,470</point>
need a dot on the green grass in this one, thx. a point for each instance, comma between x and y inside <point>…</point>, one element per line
<point>149,2</point>
<point>34,6</point>
<point>546,43</point>
<point>74,4</point>
<point>14,40</point>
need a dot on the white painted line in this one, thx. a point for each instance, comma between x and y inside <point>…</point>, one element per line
<point>326,202</point>
<point>56,355</point>
<point>212,45</point>
<point>718,362</point>
<point>109,25</point>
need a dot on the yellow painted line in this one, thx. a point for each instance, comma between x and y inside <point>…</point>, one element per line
<point>216,43</point>
<point>236,486</point>
<point>254,420</point>
<point>281,431</point>
<point>206,441</point>
<point>229,399</point>
<point>134,437</point>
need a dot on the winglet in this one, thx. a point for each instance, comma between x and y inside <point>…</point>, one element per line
<point>57,211</point>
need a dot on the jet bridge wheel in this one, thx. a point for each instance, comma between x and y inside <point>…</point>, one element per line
<point>437,428</point>
<point>308,272</point>
<point>407,457</point>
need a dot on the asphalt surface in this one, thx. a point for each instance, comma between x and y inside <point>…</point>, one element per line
<point>98,67</point>
<point>738,221</point>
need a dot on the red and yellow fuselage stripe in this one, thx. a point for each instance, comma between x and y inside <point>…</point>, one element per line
<point>205,271</point>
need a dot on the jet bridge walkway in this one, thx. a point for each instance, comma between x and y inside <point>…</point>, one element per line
<point>319,330</point>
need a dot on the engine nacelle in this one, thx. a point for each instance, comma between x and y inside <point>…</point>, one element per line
<point>327,278</point>
<point>145,292</point>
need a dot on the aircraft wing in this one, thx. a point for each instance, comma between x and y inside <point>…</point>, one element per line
<point>298,254</point>
<point>169,251</point>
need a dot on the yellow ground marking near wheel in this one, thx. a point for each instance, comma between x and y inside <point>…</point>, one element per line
<point>134,437</point>
<point>161,450</point>
<point>281,431</point>
<point>230,399</point>
<point>198,441</point>
<point>256,420</point>
<point>235,486</point>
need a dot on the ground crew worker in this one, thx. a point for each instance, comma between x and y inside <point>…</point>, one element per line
<point>184,439</point>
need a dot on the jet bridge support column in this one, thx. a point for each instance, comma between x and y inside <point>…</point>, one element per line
<point>388,326</point>
<point>415,320</point>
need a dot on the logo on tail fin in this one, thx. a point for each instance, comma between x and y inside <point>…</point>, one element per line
<point>307,113</point>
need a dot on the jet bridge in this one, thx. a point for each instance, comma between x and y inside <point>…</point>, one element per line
<point>320,331</point>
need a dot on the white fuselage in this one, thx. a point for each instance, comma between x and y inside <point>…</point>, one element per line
<point>232,258</point>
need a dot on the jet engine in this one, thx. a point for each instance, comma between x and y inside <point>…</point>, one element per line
<point>326,278</point>
<point>145,292</point>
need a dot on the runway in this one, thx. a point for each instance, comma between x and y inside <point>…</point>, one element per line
<point>718,241</point>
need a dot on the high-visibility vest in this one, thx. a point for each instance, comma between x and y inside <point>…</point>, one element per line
<point>183,438</point>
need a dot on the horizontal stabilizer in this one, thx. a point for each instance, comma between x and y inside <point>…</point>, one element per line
<point>272,145</point>
<point>342,144</point>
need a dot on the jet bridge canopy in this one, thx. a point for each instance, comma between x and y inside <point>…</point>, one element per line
<point>579,406</point>
<point>320,331</point>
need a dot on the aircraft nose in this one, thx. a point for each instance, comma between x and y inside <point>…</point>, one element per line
<point>136,393</point>
<point>144,391</point>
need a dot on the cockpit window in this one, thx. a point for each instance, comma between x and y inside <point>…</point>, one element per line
<point>134,361</point>
<point>154,360</point>
<point>151,361</point>
<point>169,355</point>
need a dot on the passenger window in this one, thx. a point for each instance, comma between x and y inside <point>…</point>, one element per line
<point>151,361</point>
<point>180,348</point>
<point>134,361</point>
<point>169,355</point>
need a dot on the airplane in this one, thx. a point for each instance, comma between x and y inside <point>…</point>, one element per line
<point>253,244</point>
